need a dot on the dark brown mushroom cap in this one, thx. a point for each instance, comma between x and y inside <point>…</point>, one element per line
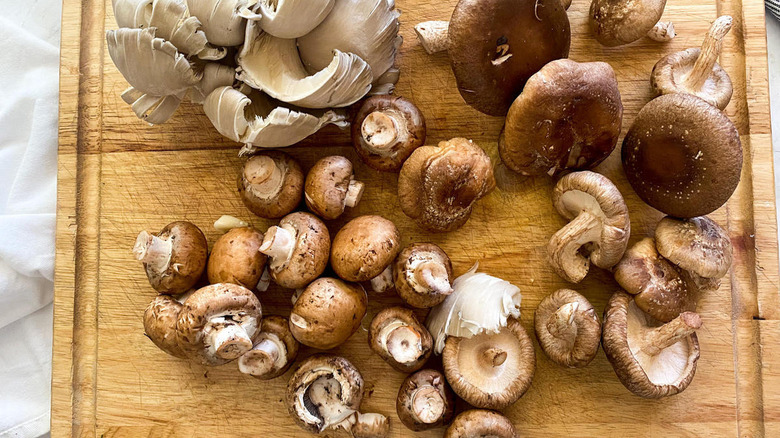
<point>567,117</point>
<point>160,325</point>
<point>682,156</point>
<point>187,262</point>
<point>280,199</point>
<point>425,401</point>
<point>618,22</point>
<point>235,258</point>
<point>407,265</point>
<point>409,126</point>
<point>698,245</point>
<point>310,256</point>
<point>669,74</point>
<point>326,186</point>
<point>496,45</point>
<point>572,336</point>
<point>364,247</point>
<point>480,423</point>
<point>438,185</point>
<point>277,329</point>
<point>404,320</point>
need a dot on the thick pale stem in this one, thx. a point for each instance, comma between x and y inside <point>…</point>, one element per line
<point>433,35</point>
<point>380,131</point>
<point>354,193</point>
<point>404,343</point>
<point>264,174</point>
<point>427,404</point>
<point>433,275</point>
<point>153,251</point>
<point>564,247</point>
<point>278,244</point>
<point>660,338</point>
<point>561,323</point>
<point>226,223</point>
<point>710,50</point>
<point>663,31</point>
<point>230,341</point>
<point>384,281</point>
<point>261,359</point>
<point>265,281</point>
<point>494,356</point>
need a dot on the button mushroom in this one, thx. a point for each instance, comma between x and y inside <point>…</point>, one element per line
<point>271,184</point>
<point>480,423</point>
<point>619,22</point>
<point>438,185</point>
<point>599,226</point>
<point>331,187</point>
<point>174,259</point>
<point>696,71</point>
<point>235,258</point>
<point>698,245</point>
<point>567,117</point>
<point>274,351</point>
<point>386,130</point>
<point>422,273</point>
<point>399,339</point>
<point>650,359</point>
<point>682,156</point>
<point>424,401</point>
<point>364,248</point>
<point>160,325</point>
<point>327,313</point>
<point>298,250</point>
<point>567,328</point>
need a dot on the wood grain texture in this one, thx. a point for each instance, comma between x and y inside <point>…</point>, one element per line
<point>118,176</point>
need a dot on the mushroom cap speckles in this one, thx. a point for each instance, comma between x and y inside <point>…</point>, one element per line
<point>364,247</point>
<point>417,254</point>
<point>187,262</point>
<point>698,245</point>
<point>435,397</point>
<point>618,22</point>
<point>235,258</point>
<point>670,72</point>
<point>326,186</point>
<point>160,325</point>
<point>399,316</point>
<point>310,256</point>
<point>480,423</point>
<point>576,344</point>
<point>285,198</point>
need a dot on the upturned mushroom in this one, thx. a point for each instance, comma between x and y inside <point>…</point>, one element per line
<point>652,360</point>
<point>298,250</point>
<point>422,273</point>
<point>619,22</point>
<point>568,328</point>
<point>696,71</point>
<point>698,245</point>
<point>599,226</point>
<point>331,187</point>
<point>235,258</point>
<point>438,185</point>
<point>398,337</point>
<point>327,313</point>
<point>174,259</point>
<point>567,117</point>
<point>364,248</point>
<point>682,156</point>
<point>424,401</point>
<point>274,351</point>
<point>271,184</point>
<point>479,423</point>
<point>386,130</point>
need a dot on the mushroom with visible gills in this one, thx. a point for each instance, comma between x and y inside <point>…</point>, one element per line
<point>480,423</point>
<point>331,187</point>
<point>568,328</point>
<point>422,273</point>
<point>397,336</point>
<point>235,258</point>
<point>424,401</point>
<point>298,250</point>
<point>174,259</point>
<point>271,184</point>
<point>274,351</point>
<point>619,22</point>
<point>364,248</point>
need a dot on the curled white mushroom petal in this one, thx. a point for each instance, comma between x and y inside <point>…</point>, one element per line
<point>132,13</point>
<point>223,21</point>
<point>292,18</point>
<point>174,23</point>
<point>214,76</point>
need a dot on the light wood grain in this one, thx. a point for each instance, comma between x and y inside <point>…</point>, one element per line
<point>118,176</point>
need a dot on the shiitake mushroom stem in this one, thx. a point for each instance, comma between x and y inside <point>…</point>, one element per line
<point>665,336</point>
<point>494,356</point>
<point>153,250</point>
<point>710,50</point>
<point>561,323</point>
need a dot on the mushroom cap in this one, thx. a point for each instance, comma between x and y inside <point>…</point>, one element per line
<point>475,423</point>
<point>491,370</point>
<point>567,117</point>
<point>310,256</point>
<point>670,72</point>
<point>413,292</point>
<point>277,329</point>
<point>698,245</point>
<point>618,22</point>
<point>364,247</point>
<point>424,400</point>
<point>496,45</point>
<point>682,156</point>
<point>665,374</point>
<point>438,185</point>
<point>394,318</point>
<point>235,258</point>
<point>326,186</point>
<point>327,313</point>
<point>278,199</point>
<point>160,325</point>
<point>575,348</point>
<point>188,259</point>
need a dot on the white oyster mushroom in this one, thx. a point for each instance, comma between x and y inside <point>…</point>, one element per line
<point>132,14</point>
<point>292,18</point>
<point>223,21</point>
<point>214,76</point>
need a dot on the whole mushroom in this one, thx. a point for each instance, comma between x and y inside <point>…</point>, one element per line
<point>274,351</point>
<point>160,325</point>
<point>424,401</point>
<point>271,184</point>
<point>331,187</point>
<point>235,258</point>
<point>364,248</point>
<point>568,328</point>
<point>398,337</point>
<point>619,22</point>
<point>174,259</point>
<point>479,423</point>
<point>298,250</point>
<point>698,245</point>
<point>422,273</point>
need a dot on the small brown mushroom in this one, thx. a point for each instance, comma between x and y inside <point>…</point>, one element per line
<point>371,425</point>
<point>698,245</point>
<point>438,185</point>
<point>271,184</point>
<point>160,325</point>
<point>364,248</point>
<point>480,423</point>
<point>298,249</point>
<point>424,401</point>
<point>235,258</point>
<point>386,130</point>
<point>399,338</point>
<point>331,187</point>
<point>327,313</point>
<point>652,360</point>
<point>422,275</point>
<point>174,258</point>
<point>618,22</point>
<point>568,328</point>
<point>274,351</point>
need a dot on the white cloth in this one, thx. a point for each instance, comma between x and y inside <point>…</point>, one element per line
<point>29,64</point>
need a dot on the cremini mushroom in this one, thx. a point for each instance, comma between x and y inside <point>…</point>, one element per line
<point>364,248</point>
<point>298,250</point>
<point>386,130</point>
<point>568,328</point>
<point>652,360</point>
<point>235,258</point>
<point>327,313</point>
<point>682,156</point>
<point>698,245</point>
<point>271,184</point>
<point>160,325</point>
<point>422,273</point>
<point>619,22</point>
<point>567,117</point>
<point>331,187</point>
<point>424,401</point>
<point>398,337</point>
<point>174,259</point>
<point>438,185</point>
<point>274,351</point>
<point>599,226</point>
<point>478,423</point>
<point>696,71</point>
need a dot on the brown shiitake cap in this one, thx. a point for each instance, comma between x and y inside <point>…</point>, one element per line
<point>274,351</point>
<point>424,401</point>
<point>651,359</point>
<point>235,258</point>
<point>696,71</point>
<point>398,337</point>
<point>698,245</point>
<point>174,259</point>
<point>682,156</point>
<point>271,184</point>
<point>480,423</point>
<point>423,275</point>
<point>298,248</point>
<point>331,187</point>
<point>160,325</point>
<point>618,22</point>
<point>568,328</point>
<point>364,247</point>
<point>491,370</point>
<point>438,185</point>
<point>386,130</point>
<point>496,45</point>
<point>567,117</point>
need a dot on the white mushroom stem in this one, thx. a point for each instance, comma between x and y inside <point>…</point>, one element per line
<point>354,193</point>
<point>663,337</point>
<point>662,32</point>
<point>428,405</point>
<point>494,356</point>
<point>710,50</point>
<point>229,341</point>
<point>561,323</point>
<point>384,281</point>
<point>433,35</point>
<point>263,358</point>
<point>381,131</point>
<point>433,275</point>
<point>264,174</point>
<point>402,341</point>
<point>265,281</point>
<point>564,246</point>
<point>278,244</point>
<point>226,223</point>
<point>153,251</point>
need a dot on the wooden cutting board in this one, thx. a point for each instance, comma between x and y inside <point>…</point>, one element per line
<point>118,176</point>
